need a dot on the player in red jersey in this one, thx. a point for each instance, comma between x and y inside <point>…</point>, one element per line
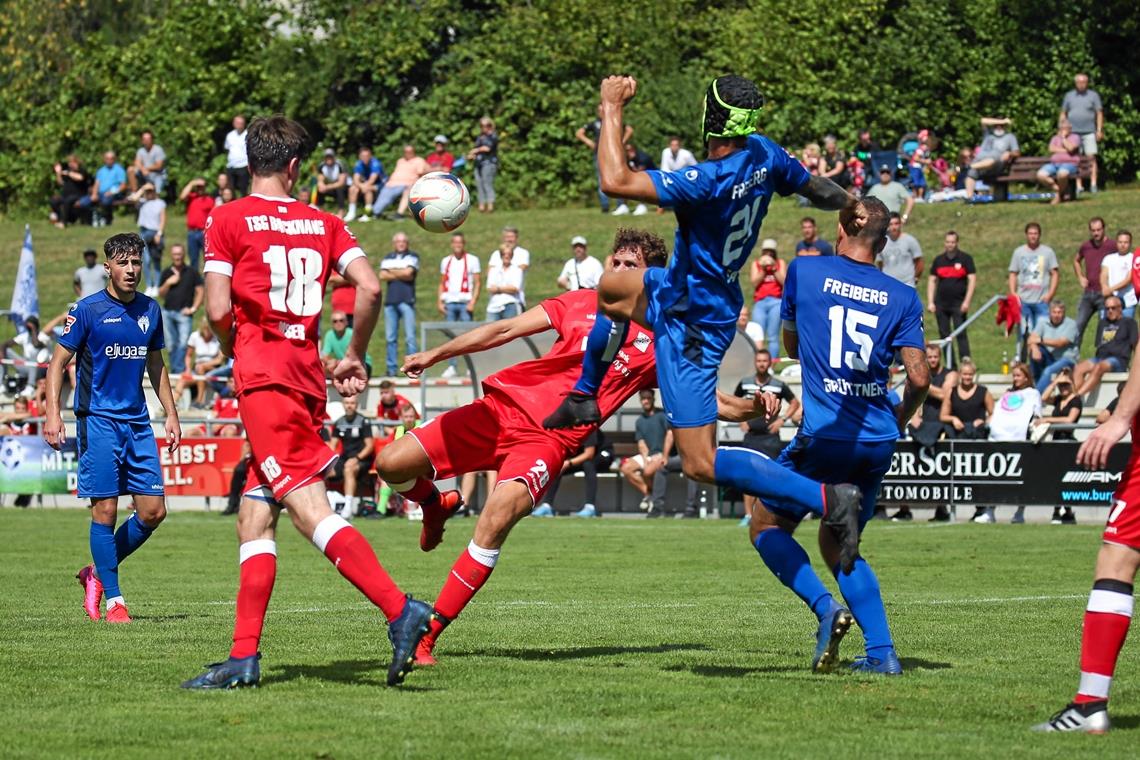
<point>1109,610</point>
<point>268,258</point>
<point>503,430</point>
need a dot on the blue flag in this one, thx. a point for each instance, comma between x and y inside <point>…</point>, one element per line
<point>25,295</point>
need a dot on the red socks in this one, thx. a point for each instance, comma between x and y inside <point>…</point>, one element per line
<point>467,576</point>
<point>353,557</point>
<point>1107,617</point>
<point>257,572</point>
<point>421,491</point>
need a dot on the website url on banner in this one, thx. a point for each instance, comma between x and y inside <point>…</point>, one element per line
<point>1091,496</point>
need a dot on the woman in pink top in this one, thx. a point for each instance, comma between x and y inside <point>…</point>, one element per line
<point>1064,161</point>
<point>409,168</point>
<point>767,274</point>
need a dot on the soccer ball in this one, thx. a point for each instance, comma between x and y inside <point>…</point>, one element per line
<point>11,453</point>
<point>439,202</point>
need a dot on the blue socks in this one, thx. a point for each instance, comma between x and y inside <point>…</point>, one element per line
<point>105,556</point>
<point>861,590</point>
<point>789,562</point>
<point>131,535</point>
<point>606,337</point>
<point>778,487</point>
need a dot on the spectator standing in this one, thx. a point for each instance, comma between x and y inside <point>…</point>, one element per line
<point>1064,161</point>
<point>581,270</point>
<point>89,278</point>
<point>74,187</point>
<point>485,155</point>
<point>761,434</point>
<point>510,238</point>
<point>332,180</point>
<point>440,160</point>
<point>1053,345</point>
<point>108,187</point>
<point>1033,278</point>
<point>237,164</point>
<point>354,431</point>
<point>968,406</point>
<point>587,134</point>
<point>893,194</point>
<point>1116,273</point>
<point>32,346</point>
<point>676,156</point>
<point>1115,341</point>
<point>199,204</point>
<point>998,149</point>
<point>152,227</point>
<point>950,289</point>
<point>654,441</point>
<point>811,243</point>
<point>1091,254</point>
<point>504,286</point>
<point>399,269</point>
<point>1012,416</point>
<point>1084,110</point>
<point>767,273</point>
<point>901,257</point>
<point>149,166</point>
<point>638,161</point>
<point>409,168</point>
<point>459,285</point>
<point>367,177</point>
<point>182,289</point>
<point>834,165</point>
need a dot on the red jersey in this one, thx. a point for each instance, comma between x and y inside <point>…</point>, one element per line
<point>535,387</point>
<point>392,412</point>
<point>198,207</point>
<point>279,253</point>
<point>225,408</point>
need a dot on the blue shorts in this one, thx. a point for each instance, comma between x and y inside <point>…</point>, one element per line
<point>1052,170</point>
<point>1114,363</point>
<point>116,458</point>
<point>861,463</point>
<point>688,359</point>
<point>917,176</point>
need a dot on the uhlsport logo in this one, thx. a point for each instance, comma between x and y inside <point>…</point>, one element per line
<point>144,323</point>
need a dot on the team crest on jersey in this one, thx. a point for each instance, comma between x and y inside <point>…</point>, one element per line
<point>641,342</point>
<point>144,323</point>
<point>68,323</point>
<point>692,175</point>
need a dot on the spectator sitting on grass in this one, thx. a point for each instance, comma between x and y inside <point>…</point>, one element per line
<point>1116,273</point>
<point>1053,345</point>
<point>998,149</point>
<point>108,187</point>
<point>367,176</point>
<point>74,187</point>
<point>409,168</point>
<point>893,195</point>
<point>1064,161</point>
<point>834,164</point>
<point>968,406</point>
<point>332,181</point>
<point>1115,341</point>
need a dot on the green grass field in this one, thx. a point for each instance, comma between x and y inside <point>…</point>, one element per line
<point>611,638</point>
<point>988,232</point>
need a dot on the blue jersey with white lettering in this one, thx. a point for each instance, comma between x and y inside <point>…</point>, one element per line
<point>720,205</point>
<point>111,340</point>
<point>850,318</point>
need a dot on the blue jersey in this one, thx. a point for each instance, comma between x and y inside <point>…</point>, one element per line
<point>720,205</point>
<point>850,318</point>
<point>367,170</point>
<point>111,340</point>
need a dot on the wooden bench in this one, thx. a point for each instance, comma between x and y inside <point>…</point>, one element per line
<point>1025,168</point>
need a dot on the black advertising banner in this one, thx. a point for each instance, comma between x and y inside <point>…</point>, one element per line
<point>990,473</point>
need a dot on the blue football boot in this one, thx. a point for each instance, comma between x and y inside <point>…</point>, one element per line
<point>231,674</point>
<point>887,666</point>
<point>405,633</point>
<point>832,629</point>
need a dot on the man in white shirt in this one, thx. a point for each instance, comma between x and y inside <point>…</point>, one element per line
<point>32,345</point>
<point>237,165</point>
<point>582,270</point>
<point>459,285</point>
<point>504,285</point>
<point>1116,274</point>
<point>675,157</point>
<point>521,258</point>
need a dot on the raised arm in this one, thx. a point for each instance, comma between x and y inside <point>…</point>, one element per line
<point>482,338</point>
<point>617,179</point>
<point>826,195</point>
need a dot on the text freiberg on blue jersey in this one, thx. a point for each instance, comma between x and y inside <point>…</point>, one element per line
<point>111,340</point>
<point>850,318</point>
<point>720,206</point>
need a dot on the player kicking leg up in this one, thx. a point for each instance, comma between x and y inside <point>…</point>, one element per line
<point>692,306</point>
<point>116,335</point>
<point>1109,610</point>
<point>844,320</point>
<point>268,259</point>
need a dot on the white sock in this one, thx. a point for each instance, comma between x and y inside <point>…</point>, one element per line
<point>485,557</point>
<point>350,505</point>
<point>111,602</point>
<point>351,209</point>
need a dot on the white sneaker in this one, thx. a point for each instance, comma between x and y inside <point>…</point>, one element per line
<point>621,210</point>
<point>351,217</point>
<point>364,219</point>
<point>645,504</point>
<point>415,513</point>
<point>986,518</point>
<point>151,292</point>
<point>641,210</point>
<point>450,372</point>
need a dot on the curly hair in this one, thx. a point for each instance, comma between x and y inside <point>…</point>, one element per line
<point>652,246</point>
<point>124,245</point>
<point>733,90</point>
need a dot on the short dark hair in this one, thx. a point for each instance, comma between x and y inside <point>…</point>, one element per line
<point>874,229</point>
<point>896,215</point>
<point>1124,232</point>
<point>89,252</point>
<point>146,132</point>
<point>763,351</point>
<point>1097,219</point>
<point>809,219</point>
<point>386,384</point>
<point>652,246</point>
<point>459,235</point>
<point>652,394</point>
<point>34,321</point>
<point>124,245</point>
<point>952,232</point>
<point>1031,225</point>
<point>272,142</point>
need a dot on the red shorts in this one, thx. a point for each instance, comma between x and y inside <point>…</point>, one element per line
<point>283,427</point>
<point>1124,518</point>
<point>491,435</point>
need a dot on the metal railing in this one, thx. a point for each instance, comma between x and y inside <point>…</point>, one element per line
<point>946,344</point>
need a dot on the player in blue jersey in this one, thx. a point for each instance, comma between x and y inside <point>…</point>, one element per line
<point>692,305</point>
<point>845,319</point>
<point>115,336</point>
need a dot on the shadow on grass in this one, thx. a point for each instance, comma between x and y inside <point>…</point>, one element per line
<point>159,618</point>
<point>1125,721</point>
<point>576,653</point>
<point>356,672</point>
<point>732,671</point>
<point>917,663</point>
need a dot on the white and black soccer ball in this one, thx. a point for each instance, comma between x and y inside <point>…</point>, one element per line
<point>11,453</point>
<point>439,202</point>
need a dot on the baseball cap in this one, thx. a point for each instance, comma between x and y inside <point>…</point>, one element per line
<point>577,240</point>
<point>769,244</point>
<point>440,139</point>
<point>330,152</point>
<point>884,168</point>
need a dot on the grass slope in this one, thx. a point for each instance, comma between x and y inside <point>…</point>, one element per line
<point>989,233</point>
<point>593,639</point>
